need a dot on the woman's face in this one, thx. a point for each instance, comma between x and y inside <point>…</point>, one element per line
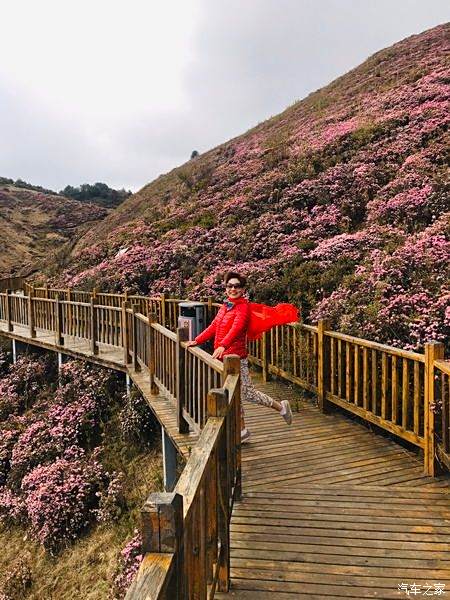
<point>233,288</point>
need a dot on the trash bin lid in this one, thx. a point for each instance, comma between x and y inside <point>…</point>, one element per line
<point>189,304</point>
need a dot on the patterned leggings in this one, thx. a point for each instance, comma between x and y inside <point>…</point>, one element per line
<point>248,391</point>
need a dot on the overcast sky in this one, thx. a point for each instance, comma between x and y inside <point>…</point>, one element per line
<point>113,91</point>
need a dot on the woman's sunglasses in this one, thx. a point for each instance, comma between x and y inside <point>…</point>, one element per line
<point>236,286</point>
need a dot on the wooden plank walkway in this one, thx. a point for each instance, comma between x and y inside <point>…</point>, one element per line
<point>333,510</point>
<point>330,508</point>
<point>112,357</point>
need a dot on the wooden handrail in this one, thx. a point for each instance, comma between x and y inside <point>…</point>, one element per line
<point>443,365</point>
<point>375,345</point>
<point>164,331</point>
<point>384,385</point>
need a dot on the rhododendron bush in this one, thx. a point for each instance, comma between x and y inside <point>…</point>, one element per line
<point>51,473</point>
<point>130,559</point>
<point>340,203</point>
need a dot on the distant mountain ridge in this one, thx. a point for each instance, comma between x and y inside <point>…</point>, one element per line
<point>36,221</point>
<point>340,204</point>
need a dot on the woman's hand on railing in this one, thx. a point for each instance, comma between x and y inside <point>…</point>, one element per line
<point>191,343</point>
<point>218,352</point>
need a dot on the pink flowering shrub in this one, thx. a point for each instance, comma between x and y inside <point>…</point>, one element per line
<point>61,498</point>
<point>21,387</point>
<point>74,418</point>
<point>136,421</point>
<point>403,297</point>
<point>8,439</point>
<point>130,559</point>
<point>12,507</point>
<point>51,476</point>
<point>111,500</point>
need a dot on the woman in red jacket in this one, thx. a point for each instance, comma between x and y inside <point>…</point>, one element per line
<point>229,329</point>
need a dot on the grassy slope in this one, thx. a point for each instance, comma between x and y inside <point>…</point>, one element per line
<point>321,206</point>
<point>35,224</point>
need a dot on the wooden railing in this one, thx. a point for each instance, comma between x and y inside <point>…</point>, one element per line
<point>186,538</point>
<point>186,533</point>
<point>389,387</point>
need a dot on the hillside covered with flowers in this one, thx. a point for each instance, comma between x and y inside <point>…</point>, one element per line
<point>339,204</point>
<point>77,458</point>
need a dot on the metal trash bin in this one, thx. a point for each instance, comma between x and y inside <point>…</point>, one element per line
<point>192,316</point>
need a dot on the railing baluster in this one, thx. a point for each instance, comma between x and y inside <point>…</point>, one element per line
<point>94,345</point>
<point>182,336</point>
<point>58,322</point>
<point>384,371</point>
<point>31,323</point>
<point>8,311</point>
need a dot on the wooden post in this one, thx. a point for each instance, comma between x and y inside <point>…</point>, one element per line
<point>151,355</point>
<point>94,345</point>
<point>265,354</point>
<point>125,334</point>
<point>217,406</point>
<point>210,309</point>
<point>169,461</point>
<point>433,351</point>
<point>323,364</point>
<point>58,322</point>
<point>8,310</point>
<point>162,532</point>
<point>46,290</point>
<point>163,309</point>
<point>232,366</point>
<point>182,336</point>
<point>69,312</point>
<point>136,365</point>
<point>31,312</point>
<point>94,293</point>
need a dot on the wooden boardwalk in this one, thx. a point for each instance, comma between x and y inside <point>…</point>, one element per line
<point>333,510</point>
<point>330,509</point>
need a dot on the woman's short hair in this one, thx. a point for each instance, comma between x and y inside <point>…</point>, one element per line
<point>234,275</point>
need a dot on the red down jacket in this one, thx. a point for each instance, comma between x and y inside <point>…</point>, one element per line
<point>229,328</point>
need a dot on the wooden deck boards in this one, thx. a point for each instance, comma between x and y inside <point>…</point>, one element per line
<point>333,510</point>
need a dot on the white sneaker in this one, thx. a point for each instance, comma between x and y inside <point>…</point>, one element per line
<point>245,434</point>
<point>286,411</point>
